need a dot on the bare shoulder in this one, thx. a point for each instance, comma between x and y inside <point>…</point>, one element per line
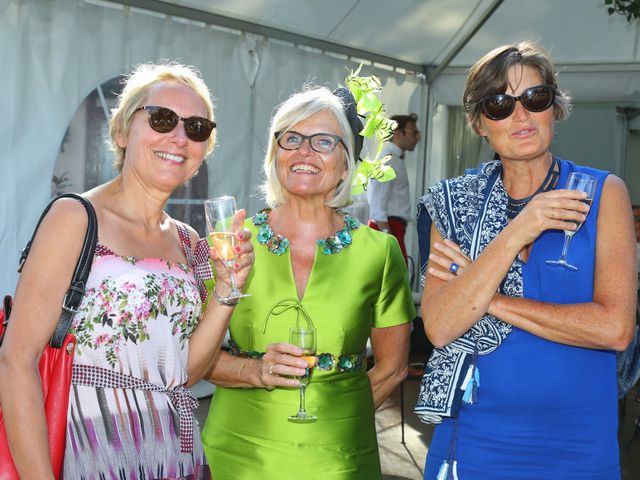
<point>56,247</point>
<point>615,221</point>
<point>614,189</point>
<point>614,202</point>
<point>67,217</point>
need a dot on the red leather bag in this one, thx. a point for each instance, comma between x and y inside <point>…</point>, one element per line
<point>56,362</point>
<point>55,373</point>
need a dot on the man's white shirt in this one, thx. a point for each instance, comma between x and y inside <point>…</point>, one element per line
<point>390,198</point>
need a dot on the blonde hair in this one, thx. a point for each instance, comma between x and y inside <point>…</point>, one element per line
<point>489,76</point>
<point>297,108</point>
<point>136,89</point>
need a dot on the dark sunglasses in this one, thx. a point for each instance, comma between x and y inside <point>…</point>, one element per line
<point>164,120</point>
<point>534,99</point>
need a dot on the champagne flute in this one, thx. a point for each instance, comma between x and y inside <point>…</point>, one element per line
<point>305,338</point>
<point>585,183</point>
<point>219,212</point>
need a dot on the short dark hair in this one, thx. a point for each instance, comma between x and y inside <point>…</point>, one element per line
<point>489,76</point>
<point>402,120</point>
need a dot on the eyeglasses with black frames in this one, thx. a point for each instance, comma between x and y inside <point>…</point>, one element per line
<point>164,120</point>
<point>319,142</point>
<point>534,99</point>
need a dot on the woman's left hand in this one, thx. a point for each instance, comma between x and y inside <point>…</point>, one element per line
<point>244,256</point>
<point>446,260</point>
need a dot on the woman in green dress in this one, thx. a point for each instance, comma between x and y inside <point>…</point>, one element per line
<point>314,264</point>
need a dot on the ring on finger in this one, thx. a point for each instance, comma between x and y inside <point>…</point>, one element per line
<point>453,268</point>
<point>270,371</point>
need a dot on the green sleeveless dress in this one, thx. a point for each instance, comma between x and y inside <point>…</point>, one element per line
<point>247,435</point>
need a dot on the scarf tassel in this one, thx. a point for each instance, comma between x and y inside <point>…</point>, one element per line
<point>443,473</point>
<point>448,471</point>
<point>470,385</point>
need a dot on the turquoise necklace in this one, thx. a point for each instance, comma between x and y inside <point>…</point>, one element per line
<point>279,244</point>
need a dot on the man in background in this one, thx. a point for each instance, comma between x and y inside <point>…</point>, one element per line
<point>390,202</point>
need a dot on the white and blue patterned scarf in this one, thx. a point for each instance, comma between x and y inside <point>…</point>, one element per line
<point>470,210</point>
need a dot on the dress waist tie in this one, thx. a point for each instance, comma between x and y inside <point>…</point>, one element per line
<point>181,398</point>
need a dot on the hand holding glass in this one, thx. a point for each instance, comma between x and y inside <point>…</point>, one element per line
<point>305,338</point>
<point>219,212</point>
<point>584,183</point>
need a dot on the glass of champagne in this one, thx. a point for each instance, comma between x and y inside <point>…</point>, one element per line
<point>219,212</point>
<point>305,338</point>
<point>585,183</point>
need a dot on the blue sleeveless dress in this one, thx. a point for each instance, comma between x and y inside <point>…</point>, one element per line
<point>545,410</point>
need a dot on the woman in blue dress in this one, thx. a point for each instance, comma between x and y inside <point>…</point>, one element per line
<point>522,381</point>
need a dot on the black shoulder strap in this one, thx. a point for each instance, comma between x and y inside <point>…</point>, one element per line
<point>76,291</point>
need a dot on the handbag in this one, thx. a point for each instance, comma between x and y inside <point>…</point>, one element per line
<point>56,361</point>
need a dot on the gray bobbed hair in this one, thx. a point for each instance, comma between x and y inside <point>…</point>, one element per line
<point>297,108</point>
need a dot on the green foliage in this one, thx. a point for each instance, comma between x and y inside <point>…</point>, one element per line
<point>61,183</point>
<point>629,8</point>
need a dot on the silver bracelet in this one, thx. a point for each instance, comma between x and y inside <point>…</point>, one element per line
<point>227,302</point>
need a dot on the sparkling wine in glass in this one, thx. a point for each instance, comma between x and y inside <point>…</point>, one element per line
<point>305,338</point>
<point>585,183</point>
<point>219,212</point>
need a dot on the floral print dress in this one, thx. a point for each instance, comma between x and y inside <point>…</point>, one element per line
<point>135,320</point>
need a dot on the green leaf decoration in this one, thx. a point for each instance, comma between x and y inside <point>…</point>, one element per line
<point>375,169</point>
<point>371,126</point>
<point>369,103</point>
<point>370,107</point>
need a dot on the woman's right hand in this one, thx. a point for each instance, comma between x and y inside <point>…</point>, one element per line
<point>243,253</point>
<point>553,210</point>
<point>280,362</point>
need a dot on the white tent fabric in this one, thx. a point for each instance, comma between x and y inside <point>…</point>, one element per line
<point>423,32</point>
<point>56,52</point>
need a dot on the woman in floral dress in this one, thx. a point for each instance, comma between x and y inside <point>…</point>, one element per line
<point>142,334</point>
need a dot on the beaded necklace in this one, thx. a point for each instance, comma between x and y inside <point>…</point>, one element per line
<point>279,244</point>
<point>514,207</point>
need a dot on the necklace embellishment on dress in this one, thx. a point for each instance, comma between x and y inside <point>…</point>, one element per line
<point>514,207</point>
<point>279,244</point>
<point>275,243</point>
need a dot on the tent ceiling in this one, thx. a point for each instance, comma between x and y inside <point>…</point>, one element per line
<point>424,32</point>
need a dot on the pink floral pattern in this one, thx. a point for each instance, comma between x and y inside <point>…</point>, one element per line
<point>122,310</point>
<point>135,319</point>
